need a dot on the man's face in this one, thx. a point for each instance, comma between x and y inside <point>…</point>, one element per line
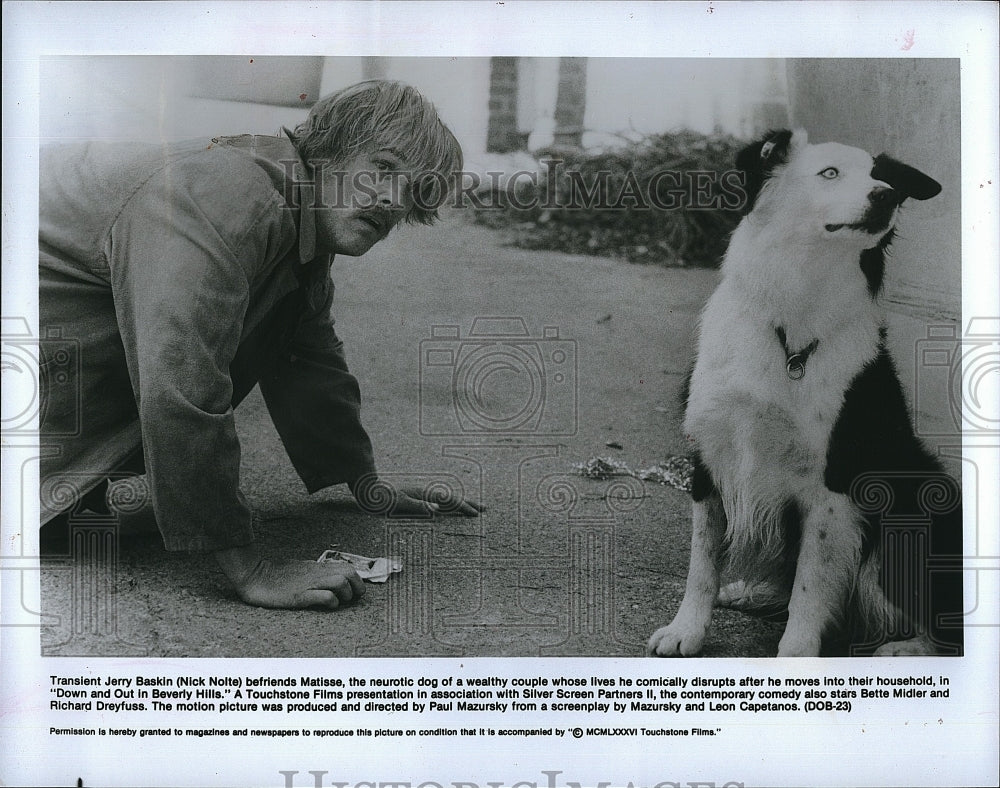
<point>362,200</point>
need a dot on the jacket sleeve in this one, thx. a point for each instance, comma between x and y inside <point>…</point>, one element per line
<point>181,262</point>
<point>314,401</point>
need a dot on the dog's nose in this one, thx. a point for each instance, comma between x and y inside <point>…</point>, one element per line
<point>883,195</point>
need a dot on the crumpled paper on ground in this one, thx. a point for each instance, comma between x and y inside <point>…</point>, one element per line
<point>374,570</point>
<point>675,470</point>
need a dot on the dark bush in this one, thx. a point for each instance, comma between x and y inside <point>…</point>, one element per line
<point>671,199</point>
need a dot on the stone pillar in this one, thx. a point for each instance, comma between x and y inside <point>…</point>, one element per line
<point>571,101</point>
<point>501,133</point>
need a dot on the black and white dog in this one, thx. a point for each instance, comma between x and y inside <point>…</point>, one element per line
<point>810,486</point>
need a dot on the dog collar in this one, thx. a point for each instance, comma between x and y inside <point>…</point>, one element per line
<point>795,363</point>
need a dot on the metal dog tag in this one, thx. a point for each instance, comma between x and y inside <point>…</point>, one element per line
<point>796,366</point>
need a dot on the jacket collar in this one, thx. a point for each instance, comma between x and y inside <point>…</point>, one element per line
<point>274,155</point>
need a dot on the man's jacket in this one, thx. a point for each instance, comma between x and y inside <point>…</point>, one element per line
<point>172,279</point>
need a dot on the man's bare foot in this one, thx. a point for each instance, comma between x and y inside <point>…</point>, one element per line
<point>262,582</point>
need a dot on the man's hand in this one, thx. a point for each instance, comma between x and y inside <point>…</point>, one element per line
<point>289,584</point>
<point>377,496</point>
<point>418,502</point>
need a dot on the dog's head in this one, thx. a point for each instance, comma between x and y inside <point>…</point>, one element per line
<point>830,191</point>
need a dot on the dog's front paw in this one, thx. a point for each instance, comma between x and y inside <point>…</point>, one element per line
<point>676,640</point>
<point>914,647</point>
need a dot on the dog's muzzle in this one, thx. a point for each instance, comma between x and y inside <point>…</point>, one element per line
<point>882,204</point>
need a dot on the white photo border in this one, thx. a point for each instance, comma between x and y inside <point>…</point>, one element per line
<point>882,749</point>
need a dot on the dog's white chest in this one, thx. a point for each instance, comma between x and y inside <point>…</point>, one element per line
<point>755,425</point>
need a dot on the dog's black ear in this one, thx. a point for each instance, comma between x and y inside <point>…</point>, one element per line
<point>758,160</point>
<point>765,153</point>
<point>907,180</point>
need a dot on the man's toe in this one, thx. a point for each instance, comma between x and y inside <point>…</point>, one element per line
<point>317,597</point>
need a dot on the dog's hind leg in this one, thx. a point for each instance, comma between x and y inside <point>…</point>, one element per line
<point>684,636</point>
<point>828,562</point>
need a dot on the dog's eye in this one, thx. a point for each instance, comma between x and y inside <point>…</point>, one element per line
<point>830,173</point>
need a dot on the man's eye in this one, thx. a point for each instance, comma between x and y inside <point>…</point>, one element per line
<point>830,173</point>
<point>386,164</point>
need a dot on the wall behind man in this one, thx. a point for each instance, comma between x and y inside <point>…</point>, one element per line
<point>910,109</point>
<point>171,98</point>
<point>161,99</point>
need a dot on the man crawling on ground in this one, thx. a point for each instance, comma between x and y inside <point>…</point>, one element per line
<point>190,273</point>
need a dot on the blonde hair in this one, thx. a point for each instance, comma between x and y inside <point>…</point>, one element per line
<point>385,115</point>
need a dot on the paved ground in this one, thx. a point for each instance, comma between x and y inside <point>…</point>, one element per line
<point>559,564</point>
